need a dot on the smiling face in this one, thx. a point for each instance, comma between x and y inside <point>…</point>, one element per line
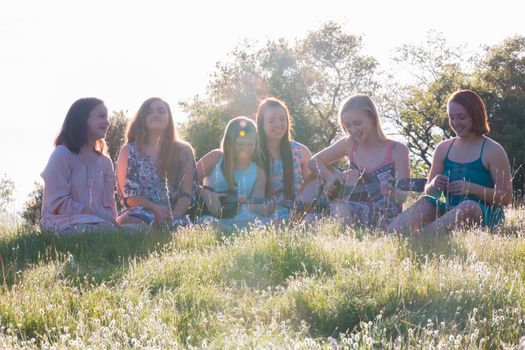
<point>358,124</point>
<point>158,116</point>
<point>97,123</point>
<point>275,123</point>
<point>244,147</point>
<point>459,119</point>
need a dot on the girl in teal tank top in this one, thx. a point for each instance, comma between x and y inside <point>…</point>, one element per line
<point>461,191</point>
<point>473,172</point>
<point>233,168</point>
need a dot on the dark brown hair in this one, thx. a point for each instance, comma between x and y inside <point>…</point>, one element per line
<point>475,108</point>
<point>169,151</point>
<point>284,147</point>
<point>73,133</point>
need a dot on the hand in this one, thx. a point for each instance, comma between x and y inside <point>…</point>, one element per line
<point>212,201</point>
<point>162,214</point>
<point>387,189</point>
<point>440,182</point>
<point>334,180</point>
<point>271,204</point>
<point>459,187</point>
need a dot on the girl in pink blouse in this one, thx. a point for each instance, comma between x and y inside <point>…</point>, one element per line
<point>79,180</point>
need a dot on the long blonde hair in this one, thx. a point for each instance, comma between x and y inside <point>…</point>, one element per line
<point>362,103</point>
<point>237,127</point>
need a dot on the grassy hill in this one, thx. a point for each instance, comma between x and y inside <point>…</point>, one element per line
<point>266,287</point>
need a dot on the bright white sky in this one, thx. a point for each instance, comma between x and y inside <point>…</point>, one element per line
<point>56,51</point>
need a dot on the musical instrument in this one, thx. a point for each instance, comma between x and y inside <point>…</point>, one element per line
<point>311,197</point>
<point>411,184</point>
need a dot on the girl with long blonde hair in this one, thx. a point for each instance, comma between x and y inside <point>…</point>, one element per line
<point>233,167</point>
<point>372,158</point>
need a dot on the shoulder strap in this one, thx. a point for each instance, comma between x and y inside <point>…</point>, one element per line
<point>389,152</point>
<point>482,146</point>
<point>450,147</point>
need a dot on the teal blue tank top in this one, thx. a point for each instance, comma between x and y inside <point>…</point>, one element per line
<point>244,179</point>
<point>474,172</point>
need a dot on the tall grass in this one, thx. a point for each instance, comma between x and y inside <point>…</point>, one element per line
<point>289,287</point>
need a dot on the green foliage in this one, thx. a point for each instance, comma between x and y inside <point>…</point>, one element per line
<point>418,110</point>
<point>115,136</point>
<point>32,207</point>
<point>7,187</point>
<point>501,83</point>
<point>204,127</point>
<point>286,287</point>
<point>312,75</point>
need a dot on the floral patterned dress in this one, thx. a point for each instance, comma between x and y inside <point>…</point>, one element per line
<point>144,180</point>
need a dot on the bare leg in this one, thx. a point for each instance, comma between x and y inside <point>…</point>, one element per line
<point>420,213</point>
<point>467,213</point>
<point>128,222</point>
<point>80,229</point>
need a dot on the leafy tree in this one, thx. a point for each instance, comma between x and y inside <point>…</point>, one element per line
<point>501,83</point>
<point>417,110</point>
<point>118,123</point>
<point>206,127</point>
<point>7,188</point>
<point>33,206</point>
<point>312,75</point>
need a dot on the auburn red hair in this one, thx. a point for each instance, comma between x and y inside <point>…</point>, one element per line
<point>475,108</point>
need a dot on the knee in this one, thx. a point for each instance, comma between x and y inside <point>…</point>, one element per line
<point>469,210</point>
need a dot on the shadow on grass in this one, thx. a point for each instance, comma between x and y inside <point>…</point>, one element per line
<point>421,247</point>
<point>98,257</point>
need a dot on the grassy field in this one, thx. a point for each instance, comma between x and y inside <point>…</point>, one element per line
<point>325,287</point>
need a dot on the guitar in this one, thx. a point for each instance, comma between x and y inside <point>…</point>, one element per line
<point>230,202</point>
<point>315,199</point>
<point>229,207</point>
<point>311,197</point>
<point>412,185</point>
<point>231,199</point>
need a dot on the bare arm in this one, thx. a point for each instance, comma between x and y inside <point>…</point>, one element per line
<point>437,182</point>
<point>499,167</point>
<point>306,155</point>
<point>204,167</point>
<point>320,161</point>
<point>206,164</point>
<point>186,187</point>
<point>402,170</point>
<point>122,167</point>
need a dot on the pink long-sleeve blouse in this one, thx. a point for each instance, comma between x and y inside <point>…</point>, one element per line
<point>71,187</point>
